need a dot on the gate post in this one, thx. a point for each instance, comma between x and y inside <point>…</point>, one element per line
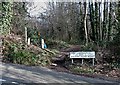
<point>1,48</point>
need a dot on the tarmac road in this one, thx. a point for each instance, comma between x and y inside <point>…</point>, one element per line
<point>20,74</point>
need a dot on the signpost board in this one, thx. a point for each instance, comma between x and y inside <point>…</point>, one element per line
<point>82,55</point>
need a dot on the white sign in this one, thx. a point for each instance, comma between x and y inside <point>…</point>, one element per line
<point>82,54</point>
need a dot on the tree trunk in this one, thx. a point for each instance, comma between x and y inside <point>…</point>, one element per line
<point>100,19</point>
<point>85,25</point>
<point>110,26</point>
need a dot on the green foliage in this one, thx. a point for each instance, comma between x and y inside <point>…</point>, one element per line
<point>19,18</point>
<point>115,65</point>
<point>43,59</point>
<point>35,38</point>
<point>18,53</point>
<point>26,57</point>
<point>6,17</point>
<point>90,47</point>
<point>78,69</point>
<point>56,44</point>
<point>22,57</point>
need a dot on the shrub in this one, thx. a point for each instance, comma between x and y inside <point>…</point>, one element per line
<point>56,44</point>
<point>18,53</point>
<point>78,69</point>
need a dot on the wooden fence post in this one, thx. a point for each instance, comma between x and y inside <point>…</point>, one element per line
<point>26,35</point>
<point>1,48</point>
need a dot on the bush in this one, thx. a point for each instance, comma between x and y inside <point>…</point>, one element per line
<point>20,57</point>
<point>33,34</point>
<point>28,58</point>
<point>78,69</point>
<point>56,44</point>
<point>18,53</point>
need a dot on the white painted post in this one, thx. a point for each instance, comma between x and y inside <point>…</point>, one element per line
<point>82,60</point>
<point>72,61</point>
<point>42,43</point>
<point>26,35</point>
<point>28,41</point>
<point>1,48</point>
